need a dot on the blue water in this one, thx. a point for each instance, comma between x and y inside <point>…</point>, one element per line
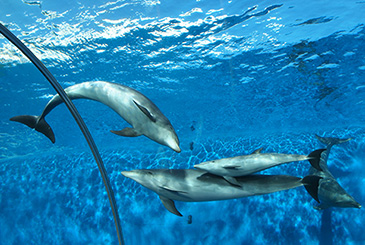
<point>231,76</point>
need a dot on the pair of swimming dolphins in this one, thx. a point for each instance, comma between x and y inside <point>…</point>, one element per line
<point>215,180</point>
<point>231,178</point>
<point>221,179</point>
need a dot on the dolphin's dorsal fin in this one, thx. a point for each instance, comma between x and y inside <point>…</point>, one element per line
<point>127,132</point>
<point>145,111</point>
<point>232,181</point>
<point>258,151</point>
<point>170,205</point>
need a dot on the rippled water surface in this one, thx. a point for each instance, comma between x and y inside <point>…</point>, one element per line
<point>231,76</point>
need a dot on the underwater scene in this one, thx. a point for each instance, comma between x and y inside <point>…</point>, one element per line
<point>218,122</point>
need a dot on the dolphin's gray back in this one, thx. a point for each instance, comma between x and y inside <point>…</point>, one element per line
<point>87,90</point>
<point>115,96</point>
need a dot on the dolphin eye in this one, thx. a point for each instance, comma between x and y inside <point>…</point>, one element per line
<point>149,172</point>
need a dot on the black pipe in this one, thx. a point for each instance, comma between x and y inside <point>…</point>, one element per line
<point>12,38</point>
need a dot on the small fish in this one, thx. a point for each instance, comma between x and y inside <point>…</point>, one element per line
<point>190,219</point>
<point>191,146</point>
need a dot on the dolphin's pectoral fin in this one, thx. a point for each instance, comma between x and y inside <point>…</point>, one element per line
<point>127,132</point>
<point>145,111</point>
<point>170,205</point>
<point>232,181</point>
<point>258,151</point>
<point>315,158</point>
<point>311,184</point>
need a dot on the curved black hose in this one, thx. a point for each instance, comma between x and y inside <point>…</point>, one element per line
<point>12,38</point>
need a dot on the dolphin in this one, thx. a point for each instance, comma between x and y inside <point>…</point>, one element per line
<point>329,193</point>
<point>323,186</point>
<point>255,162</point>
<point>144,116</point>
<point>195,185</point>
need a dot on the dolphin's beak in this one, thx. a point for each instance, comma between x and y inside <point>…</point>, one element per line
<point>172,141</point>
<point>200,166</point>
<point>125,173</point>
<point>130,174</point>
<point>173,145</point>
<point>136,175</point>
<point>177,149</point>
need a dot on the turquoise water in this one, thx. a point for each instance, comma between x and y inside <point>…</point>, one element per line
<point>231,76</point>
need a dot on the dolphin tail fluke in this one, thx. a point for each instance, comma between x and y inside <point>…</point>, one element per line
<point>329,141</point>
<point>315,157</point>
<point>36,123</point>
<point>311,184</point>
